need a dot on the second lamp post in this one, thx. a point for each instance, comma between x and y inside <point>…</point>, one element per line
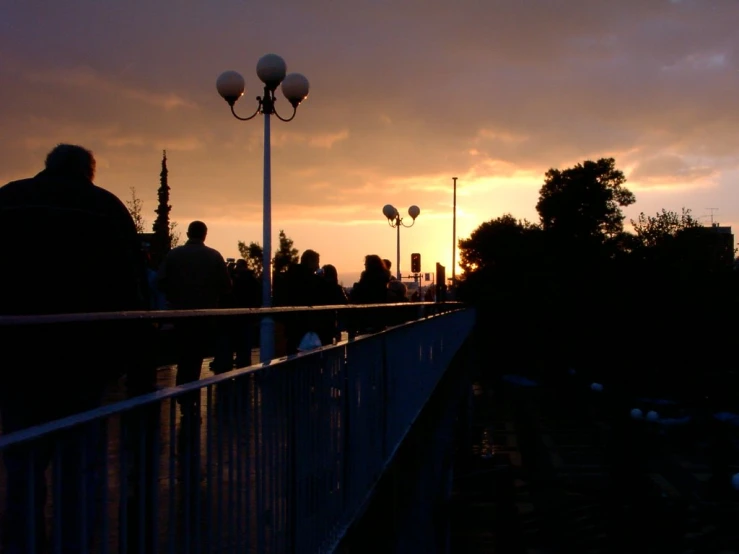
<point>394,220</point>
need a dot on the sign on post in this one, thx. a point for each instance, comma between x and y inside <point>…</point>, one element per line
<point>440,282</point>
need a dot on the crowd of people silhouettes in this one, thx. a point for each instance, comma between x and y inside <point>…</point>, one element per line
<point>101,265</point>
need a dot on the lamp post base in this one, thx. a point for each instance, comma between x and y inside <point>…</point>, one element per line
<point>266,339</point>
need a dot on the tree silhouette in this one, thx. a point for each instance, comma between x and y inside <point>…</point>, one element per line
<point>162,228</point>
<point>656,230</point>
<point>252,253</point>
<point>584,202</point>
<point>285,254</point>
<point>499,243</point>
<point>136,208</point>
<point>505,273</point>
<point>174,234</point>
<point>646,312</point>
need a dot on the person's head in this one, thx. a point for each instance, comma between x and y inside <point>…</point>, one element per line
<point>373,263</point>
<point>241,264</point>
<point>388,264</point>
<point>330,273</point>
<point>311,259</point>
<point>69,160</point>
<point>197,230</point>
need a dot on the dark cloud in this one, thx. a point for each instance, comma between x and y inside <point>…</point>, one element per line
<point>669,170</point>
<point>409,88</point>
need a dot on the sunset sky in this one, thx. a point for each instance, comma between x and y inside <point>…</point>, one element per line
<point>405,94</point>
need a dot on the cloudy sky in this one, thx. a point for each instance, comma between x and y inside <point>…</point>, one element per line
<point>405,94</point>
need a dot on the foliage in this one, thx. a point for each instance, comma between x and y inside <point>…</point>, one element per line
<point>285,255</point>
<point>584,202</point>
<point>652,231</point>
<point>677,243</point>
<point>174,235</point>
<point>498,242</point>
<point>161,227</point>
<point>252,253</point>
<point>579,291</point>
<point>136,207</point>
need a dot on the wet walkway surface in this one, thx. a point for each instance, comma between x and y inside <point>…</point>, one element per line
<point>167,469</point>
<point>165,377</point>
<point>547,473</point>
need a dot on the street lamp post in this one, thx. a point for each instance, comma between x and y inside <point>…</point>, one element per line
<point>394,220</point>
<point>272,71</point>
<point>454,234</point>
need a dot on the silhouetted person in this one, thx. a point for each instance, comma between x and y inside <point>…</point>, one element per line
<point>157,300</point>
<point>389,267</point>
<point>193,277</point>
<point>236,335</point>
<point>302,287</point>
<point>247,293</point>
<point>371,289</point>
<point>372,285</point>
<point>397,291</point>
<point>95,264</point>
<point>333,294</point>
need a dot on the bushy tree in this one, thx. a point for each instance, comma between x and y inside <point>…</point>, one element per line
<point>500,242</point>
<point>584,202</point>
<point>655,230</point>
<point>639,310</point>
<point>253,254</point>
<point>285,254</point>
<point>136,208</point>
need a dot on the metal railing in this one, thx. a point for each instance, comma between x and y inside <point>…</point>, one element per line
<point>280,457</point>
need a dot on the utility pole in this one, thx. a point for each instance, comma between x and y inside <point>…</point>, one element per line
<point>454,234</point>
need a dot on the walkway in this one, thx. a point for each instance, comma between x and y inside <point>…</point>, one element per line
<point>165,378</point>
<point>227,443</point>
<point>268,459</point>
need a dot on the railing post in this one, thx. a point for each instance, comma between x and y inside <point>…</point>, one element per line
<point>347,427</point>
<point>292,422</point>
<point>385,399</point>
